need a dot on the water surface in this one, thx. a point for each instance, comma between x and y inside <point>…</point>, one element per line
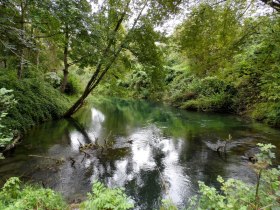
<point>150,150</point>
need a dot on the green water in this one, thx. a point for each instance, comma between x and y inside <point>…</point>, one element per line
<point>152,151</point>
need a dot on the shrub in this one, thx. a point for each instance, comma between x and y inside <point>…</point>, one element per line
<point>6,102</point>
<point>235,194</point>
<point>216,102</point>
<point>15,196</point>
<point>268,112</point>
<point>103,198</point>
<point>177,92</point>
<point>73,85</point>
<point>37,101</point>
<point>53,79</point>
<point>207,94</point>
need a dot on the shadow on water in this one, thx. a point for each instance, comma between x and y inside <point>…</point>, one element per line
<point>151,150</point>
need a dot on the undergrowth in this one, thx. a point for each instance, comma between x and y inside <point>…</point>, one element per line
<point>15,196</point>
<point>37,101</point>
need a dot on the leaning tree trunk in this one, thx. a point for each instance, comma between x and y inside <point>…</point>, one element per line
<point>5,63</point>
<point>99,72</point>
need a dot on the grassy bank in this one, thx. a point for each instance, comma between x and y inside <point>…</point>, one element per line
<point>214,94</point>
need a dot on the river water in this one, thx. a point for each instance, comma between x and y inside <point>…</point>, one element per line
<point>153,151</point>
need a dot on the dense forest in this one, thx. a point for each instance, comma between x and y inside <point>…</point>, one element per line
<point>207,56</point>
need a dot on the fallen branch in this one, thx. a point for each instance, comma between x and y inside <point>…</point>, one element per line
<point>46,157</point>
<point>12,145</point>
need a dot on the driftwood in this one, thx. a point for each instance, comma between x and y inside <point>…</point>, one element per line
<point>12,145</point>
<point>49,158</point>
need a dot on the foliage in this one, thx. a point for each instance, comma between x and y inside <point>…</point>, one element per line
<point>231,43</point>
<point>53,79</point>
<point>207,36</point>
<point>255,73</point>
<point>167,204</point>
<point>267,112</point>
<point>19,197</point>
<point>235,194</point>
<point>37,101</point>
<point>139,83</point>
<point>7,101</point>
<point>73,85</point>
<point>207,94</point>
<point>106,198</point>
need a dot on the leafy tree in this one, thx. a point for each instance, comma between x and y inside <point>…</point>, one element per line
<point>209,37</point>
<point>152,10</point>
<point>73,19</point>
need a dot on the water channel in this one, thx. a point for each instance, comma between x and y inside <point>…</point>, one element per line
<point>152,151</point>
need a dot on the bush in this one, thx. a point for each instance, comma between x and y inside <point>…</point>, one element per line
<point>103,198</point>
<point>73,85</point>
<point>138,83</point>
<point>53,79</point>
<point>207,94</point>
<point>268,112</point>
<point>15,196</point>
<point>37,101</point>
<point>177,92</point>
<point>216,102</point>
<point>235,194</point>
<point>6,102</point>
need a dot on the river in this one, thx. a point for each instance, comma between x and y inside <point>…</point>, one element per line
<point>151,150</point>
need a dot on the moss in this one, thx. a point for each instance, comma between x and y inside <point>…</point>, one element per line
<point>37,101</point>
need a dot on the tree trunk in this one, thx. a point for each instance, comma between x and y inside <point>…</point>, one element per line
<point>76,106</point>
<point>65,61</point>
<point>21,65</point>
<point>37,59</point>
<point>21,52</point>
<point>99,73</point>
<point>5,63</point>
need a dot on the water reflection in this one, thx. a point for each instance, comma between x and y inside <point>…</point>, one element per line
<point>155,152</point>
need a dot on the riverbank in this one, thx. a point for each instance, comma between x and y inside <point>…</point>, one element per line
<point>26,103</point>
<point>219,95</point>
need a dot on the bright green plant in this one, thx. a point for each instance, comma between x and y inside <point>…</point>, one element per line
<point>167,204</point>
<point>53,79</point>
<point>7,100</point>
<point>235,194</point>
<point>37,100</point>
<point>15,196</point>
<point>207,94</point>
<point>103,198</point>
